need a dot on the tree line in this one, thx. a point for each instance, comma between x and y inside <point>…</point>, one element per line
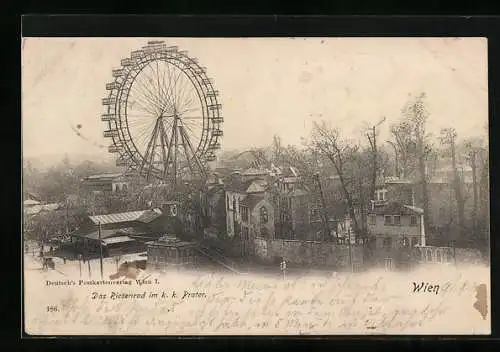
<point>412,153</point>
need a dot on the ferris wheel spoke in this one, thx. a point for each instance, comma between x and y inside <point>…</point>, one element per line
<point>161,93</point>
<point>139,128</point>
<point>192,112</point>
<point>142,102</point>
<point>187,103</point>
<point>147,83</point>
<point>186,145</point>
<point>181,95</point>
<point>174,96</point>
<point>144,94</point>
<point>164,91</point>
<point>140,117</point>
<point>148,96</point>
<point>168,90</point>
<point>192,123</point>
<point>154,80</point>
<point>194,156</point>
<point>193,132</point>
<point>142,136</point>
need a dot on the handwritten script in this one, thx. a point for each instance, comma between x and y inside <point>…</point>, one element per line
<point>221,305</point>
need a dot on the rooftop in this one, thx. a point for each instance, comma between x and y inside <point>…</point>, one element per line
<point>106,175</point>
<point>395,208</point>
<point>171,241</point>
<point>145,216</point>
<point>94,234</point>
<point>255,172</point>
<point>38,208</point>
<point>117,239</point>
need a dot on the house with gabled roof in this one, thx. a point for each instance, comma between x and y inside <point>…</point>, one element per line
<point>237,190</point>
<point>146,223</point>
<point>395,229</point>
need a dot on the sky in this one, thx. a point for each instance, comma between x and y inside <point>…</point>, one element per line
<point>267,86</point>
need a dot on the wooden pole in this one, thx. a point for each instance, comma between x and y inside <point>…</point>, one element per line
<point>350,249</point>
<point>100,250</point>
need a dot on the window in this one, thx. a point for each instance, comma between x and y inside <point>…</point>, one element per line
<point>244,213</point>
<point>397,220</point>
<point>429,255</point>
<point>387,242</point>
<point>438,256</point>
<point>387,220</point>
<point>413,220</point>
<point>373,219</point>
<point>245,233</point>
<point>381,195</point>
<point>124,187</point>
<point>263,215</point>
<point>290,203</point>
<point>414,241</point>
<point>227,201</point>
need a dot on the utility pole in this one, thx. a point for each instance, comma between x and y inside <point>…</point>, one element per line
<point>372,138</point>
<point>100,250</point>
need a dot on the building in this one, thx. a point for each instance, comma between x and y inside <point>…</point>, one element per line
<point>254,173</point>
<point>106,183</point>
<point>214,211</point>
<point>140,226</point>
<point>114,242</point>
<point>170,252</point>
<point>394,230</point>
<point>241,202</point>
<point>442,214</point>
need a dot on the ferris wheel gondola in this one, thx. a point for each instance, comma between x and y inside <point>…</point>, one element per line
<point>162,114</point>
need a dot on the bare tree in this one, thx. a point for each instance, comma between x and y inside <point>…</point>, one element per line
<point>404,146</point>
<point>448,137</point>
<point>413,133</point>
<point>473,149</point>
<point>327,142</point>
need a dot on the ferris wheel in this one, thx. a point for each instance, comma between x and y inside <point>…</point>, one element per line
<point>162,114</point>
